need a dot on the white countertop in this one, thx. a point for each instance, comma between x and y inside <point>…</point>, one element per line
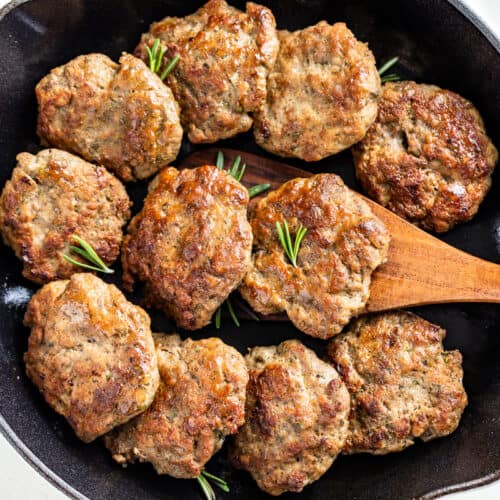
<point>21,482</point>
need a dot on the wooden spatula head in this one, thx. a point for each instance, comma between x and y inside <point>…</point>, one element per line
<point>420,269</point>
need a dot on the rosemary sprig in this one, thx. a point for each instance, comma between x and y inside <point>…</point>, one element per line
<point>89,254</point>
<point>392,77</point>
<point>232,313</point>
<point>237,170</point>
<point>155,55</point>
<point>206,487</point>
<point>291,250</point>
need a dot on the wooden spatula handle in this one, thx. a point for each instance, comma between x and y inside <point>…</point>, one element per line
<point>423,270</point>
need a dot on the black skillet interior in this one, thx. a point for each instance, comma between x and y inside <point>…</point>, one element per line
<point>436,44</point>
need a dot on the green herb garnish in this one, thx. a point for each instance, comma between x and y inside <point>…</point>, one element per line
<point>203,480</point>
<point>237,171</point>
<point>155,55</point>
<point>232,313</point>
<point>89,254</point>
<point>391,77</point>
<point>291,250</point>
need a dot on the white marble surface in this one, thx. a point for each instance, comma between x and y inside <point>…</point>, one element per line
<point>20,482</point>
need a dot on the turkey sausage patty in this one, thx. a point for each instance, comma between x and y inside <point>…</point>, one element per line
<point>322,93</point>
<point>121,116</point>
<point>296,418</point>
<point>402,384</point>
<point>427,157</point>
<point>225,56</point>
<point>91,354</point>
<point>52,196</point>
<point>344,243</point>
<point>201,400</point>
<point>191,243</point>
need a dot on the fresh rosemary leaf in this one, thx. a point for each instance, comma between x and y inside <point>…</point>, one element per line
<point>217,480</point>
<point>232,313</point>
<point>88,253</point>
<point>218,315</point>
<point>81,264</point>
<point>257,189</point>
<point>387,65</point>
<point>238,172</point>
<point>206,487</point>
<point>170,67</point>
<point>291,250</point>
<point>392,77</point>
<point>234,169</point>
<point>155,56</point>
<point>219,162</point>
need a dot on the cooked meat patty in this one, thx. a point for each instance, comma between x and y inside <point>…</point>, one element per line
<point>91,354</point>
<point>427,157</point>
<point>52,196</point>
<point>296,418</point>
<point>191,243</point>
<point>322,93</point>
<point>121,116</point>
<point>225,57</point>
<point>403,385</point>
<point>201,400</point>
<point>344,243</point>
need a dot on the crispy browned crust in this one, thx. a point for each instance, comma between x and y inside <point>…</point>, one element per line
<point>49,198</point>
<point>427,157</point>
<point>296,418</point>
<point>403,385</point>
<point>190,244</point>
<point>201,400</point>
<point>225,56</point>
<point>91,354</point>
<point>322,93</point>
<point>345,242</point>
<point>120,116</point>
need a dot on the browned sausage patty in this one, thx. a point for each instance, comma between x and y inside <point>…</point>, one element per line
<point>91,354</point>
<point>190,244</point>
<point>201,400</point>
<point>52,196</point>
<point>403,385</point>
<point>345,242</point>
<point>427,157</point>
<point>296,418</point>
<point>225,56</point>
<point>322,93</point>
<point>121,116</point>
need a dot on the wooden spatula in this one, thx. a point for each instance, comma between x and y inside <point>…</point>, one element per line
<point>420,269</point>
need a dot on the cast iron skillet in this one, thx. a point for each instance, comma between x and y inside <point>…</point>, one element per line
<point>438,42</point>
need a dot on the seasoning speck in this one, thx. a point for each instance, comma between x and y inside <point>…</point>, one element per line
<point>15,296</point>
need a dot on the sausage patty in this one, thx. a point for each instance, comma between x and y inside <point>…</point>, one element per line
<point>296,418</point>
<point>191,243</point>
<point>52,196</point>
<point>322,93</point>
<point>427,157</point>
<point>121,116</point>
<point>201,400</point>
<point>91,354</point>
<point>225,56</point>
<point>403,385</point>
<point>344,243</point>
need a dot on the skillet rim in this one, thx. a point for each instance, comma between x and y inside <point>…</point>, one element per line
<point>60,484</point>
